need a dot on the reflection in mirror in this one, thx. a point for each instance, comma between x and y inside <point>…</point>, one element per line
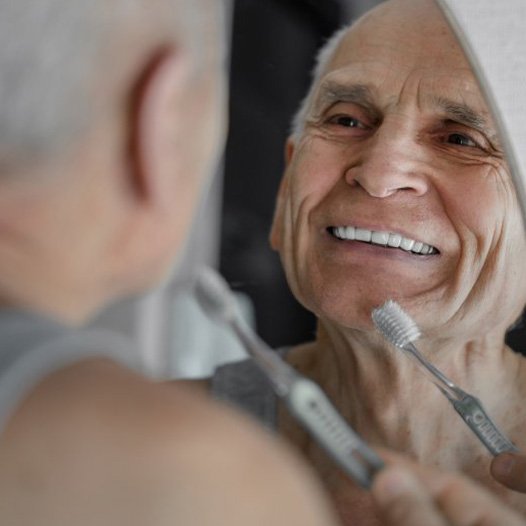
<point>493,37</point>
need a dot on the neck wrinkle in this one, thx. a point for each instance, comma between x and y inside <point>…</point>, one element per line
<point>389,402</point>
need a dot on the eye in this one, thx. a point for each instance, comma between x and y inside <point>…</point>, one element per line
<point>461,140</point>
<point>348,122</point>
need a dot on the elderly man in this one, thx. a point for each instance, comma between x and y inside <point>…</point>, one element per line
<point>396,187</point>
<point>111,115</point>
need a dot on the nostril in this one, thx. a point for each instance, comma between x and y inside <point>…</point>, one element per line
<point>383,181</point>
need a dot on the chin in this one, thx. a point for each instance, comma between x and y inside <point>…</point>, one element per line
<point>347,307</point>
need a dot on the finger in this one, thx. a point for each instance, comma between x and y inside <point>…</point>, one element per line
<point>510,469</point>
<point>401,499</point>
<point>465,504</point>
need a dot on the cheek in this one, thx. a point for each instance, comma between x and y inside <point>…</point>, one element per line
<point>478,202</point>
<point>485,213</point>
<point>313,172</point>
<point>316,168</point>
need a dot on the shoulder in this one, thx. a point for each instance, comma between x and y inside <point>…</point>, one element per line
<point>97,443</point>
<point>93,429</point>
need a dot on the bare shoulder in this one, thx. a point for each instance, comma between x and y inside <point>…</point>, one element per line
<point>97,443</point>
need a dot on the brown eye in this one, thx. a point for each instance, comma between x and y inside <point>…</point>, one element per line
<point>461,140</point>
<point>348,122</point>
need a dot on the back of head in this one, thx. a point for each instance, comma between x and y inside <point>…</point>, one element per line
<point>119,104</point>
<point>61,59</point>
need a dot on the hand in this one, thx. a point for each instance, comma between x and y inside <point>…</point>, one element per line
<point>510,469</point>
<point>413,496</point>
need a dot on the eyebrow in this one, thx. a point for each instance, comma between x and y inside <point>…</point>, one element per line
<point>464,114</point>
<point>361,94</point>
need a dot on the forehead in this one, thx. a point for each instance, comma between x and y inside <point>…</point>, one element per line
<point>403,45</point>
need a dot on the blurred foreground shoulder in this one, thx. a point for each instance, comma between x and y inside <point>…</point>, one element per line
<point>98,444</point>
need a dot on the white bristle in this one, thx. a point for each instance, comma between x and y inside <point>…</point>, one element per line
<point>214,295</point>
<point>395,324</point>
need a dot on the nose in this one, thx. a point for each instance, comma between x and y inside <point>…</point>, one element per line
<point>392,162</point>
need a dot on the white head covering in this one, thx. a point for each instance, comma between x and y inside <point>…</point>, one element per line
<point>493,35</point>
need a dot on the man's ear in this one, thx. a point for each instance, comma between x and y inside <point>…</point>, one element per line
<point>276,231</point>
<point>290,145</point>
<point>154,148</point>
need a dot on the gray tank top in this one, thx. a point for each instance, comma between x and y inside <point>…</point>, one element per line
<point>244,386</point>
<point>32,347</point>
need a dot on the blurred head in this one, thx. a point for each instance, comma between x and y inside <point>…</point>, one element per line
<point>396,185</point>
<point>111,121</point>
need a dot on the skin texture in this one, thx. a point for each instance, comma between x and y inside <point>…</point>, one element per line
<point>398,138</point>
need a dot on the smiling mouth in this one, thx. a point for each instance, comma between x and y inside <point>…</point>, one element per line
<point>382,239</point>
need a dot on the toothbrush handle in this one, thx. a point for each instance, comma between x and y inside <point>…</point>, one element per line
<point>472,412</point>
<point>435,375</point>
<point>280,374</point>
<point>467,406</point>
<point>312,408</point>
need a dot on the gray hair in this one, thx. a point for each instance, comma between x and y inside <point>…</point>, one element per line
<point>50,54</point>
<point>324,56</point>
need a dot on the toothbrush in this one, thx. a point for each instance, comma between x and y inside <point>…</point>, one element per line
<point>400,329</point>
<point>303,397</point>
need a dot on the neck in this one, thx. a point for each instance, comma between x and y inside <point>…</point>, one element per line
<point>391,403</point>
<point>50,256</point>
<point>29,280</point>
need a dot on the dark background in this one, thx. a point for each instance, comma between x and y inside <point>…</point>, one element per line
<point>273,46</point>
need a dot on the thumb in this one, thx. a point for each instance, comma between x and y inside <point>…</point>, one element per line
<point>402,499</point>
<point>510,469</point>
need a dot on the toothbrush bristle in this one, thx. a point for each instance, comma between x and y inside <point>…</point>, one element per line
<point>395,324</point>
<point>214,295</point>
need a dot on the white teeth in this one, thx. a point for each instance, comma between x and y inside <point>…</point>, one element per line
<point>380,238</point>
<point>362,235</point>
<point>349,232</point>
<point>427,249</point>
<point>407,244</point>
<point>390,239</point>
<point>417,247</point>
<point>394,240</point>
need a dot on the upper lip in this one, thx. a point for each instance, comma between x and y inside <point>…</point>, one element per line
<point>384,237</point>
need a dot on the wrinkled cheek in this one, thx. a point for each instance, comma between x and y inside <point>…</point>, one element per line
<point>506,261</point>
<point>486,286</point>
<point>498,292</point>
<point>298,258</point>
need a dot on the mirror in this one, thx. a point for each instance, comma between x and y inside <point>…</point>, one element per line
<point>494,39</point>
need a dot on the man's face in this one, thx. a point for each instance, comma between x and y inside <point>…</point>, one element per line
<point>399,149</point>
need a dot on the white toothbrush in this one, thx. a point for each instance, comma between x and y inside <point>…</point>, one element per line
<point>303,397</point>
<point>400,329</point>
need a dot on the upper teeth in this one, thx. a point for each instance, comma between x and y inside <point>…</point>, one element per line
<point>389,239</point>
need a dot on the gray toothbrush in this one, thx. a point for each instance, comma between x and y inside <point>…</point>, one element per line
<point>399,328</point>
<point>304,398</point>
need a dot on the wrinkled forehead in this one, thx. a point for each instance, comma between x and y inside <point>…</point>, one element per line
<point>402,45</point>
<point>402,34</point>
